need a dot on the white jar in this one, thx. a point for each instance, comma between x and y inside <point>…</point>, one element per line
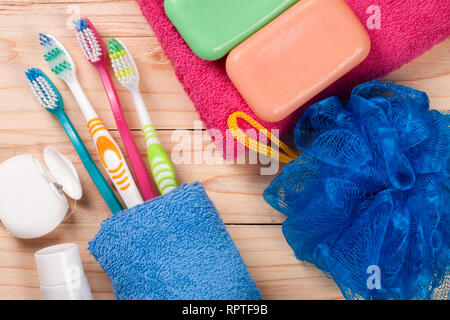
<point>61,273</point>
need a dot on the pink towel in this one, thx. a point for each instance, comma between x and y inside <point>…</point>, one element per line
<point>408,29</point>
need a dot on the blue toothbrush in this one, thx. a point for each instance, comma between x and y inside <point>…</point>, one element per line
<point>50,98</point>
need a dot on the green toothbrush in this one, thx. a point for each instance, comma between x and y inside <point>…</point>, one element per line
<point>128,75</point>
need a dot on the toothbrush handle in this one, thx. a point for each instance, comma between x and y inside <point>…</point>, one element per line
<point>130,145</point>
<point>108,151</point>
<point>114,163</point>
<point>162,169</point>
<point>102,185</point>
<point>160,164</point>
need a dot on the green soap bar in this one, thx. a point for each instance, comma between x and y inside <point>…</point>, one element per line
<point>212,28</point>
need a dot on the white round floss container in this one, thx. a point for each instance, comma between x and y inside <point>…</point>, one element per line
<point>32,201</point>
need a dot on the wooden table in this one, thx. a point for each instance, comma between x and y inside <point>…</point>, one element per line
<point>235,188</point>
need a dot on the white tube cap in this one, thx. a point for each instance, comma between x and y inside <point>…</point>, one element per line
<point>61,273</point>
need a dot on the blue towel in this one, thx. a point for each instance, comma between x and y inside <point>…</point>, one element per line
<point>172,247</point>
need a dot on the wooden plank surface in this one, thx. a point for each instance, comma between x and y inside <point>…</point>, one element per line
<point>235,188</point>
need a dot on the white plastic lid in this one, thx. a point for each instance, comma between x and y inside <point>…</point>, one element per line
<point>64,173</point>
<point>59,265</point>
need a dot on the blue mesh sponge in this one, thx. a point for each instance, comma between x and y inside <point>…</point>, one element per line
<point>371,189</point>
<point>172,247</point>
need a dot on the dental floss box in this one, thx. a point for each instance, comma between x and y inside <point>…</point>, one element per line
<point>32,201</point>
<point>61,273</point>
<point>212,28</point>
<point>296,56</point>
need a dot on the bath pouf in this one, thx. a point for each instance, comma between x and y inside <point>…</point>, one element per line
<point>368,200</point>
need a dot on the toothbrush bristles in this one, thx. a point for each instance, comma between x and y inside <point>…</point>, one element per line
<point>121,62</point>
<point>88,39</point>
<point>42,89</point>
<point>45,40</point>
<point>81,24</point>
<point>56,57</point>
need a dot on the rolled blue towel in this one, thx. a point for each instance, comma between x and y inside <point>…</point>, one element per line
<point>172,247</point>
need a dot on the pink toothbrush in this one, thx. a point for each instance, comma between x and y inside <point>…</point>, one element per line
<point>94,51</point>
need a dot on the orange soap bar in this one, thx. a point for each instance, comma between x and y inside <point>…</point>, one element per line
<point>296,56</point>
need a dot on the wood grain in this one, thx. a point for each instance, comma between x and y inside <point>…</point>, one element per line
<point>235,188</point>
<point>241,183</point>
<point>270,262</point>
